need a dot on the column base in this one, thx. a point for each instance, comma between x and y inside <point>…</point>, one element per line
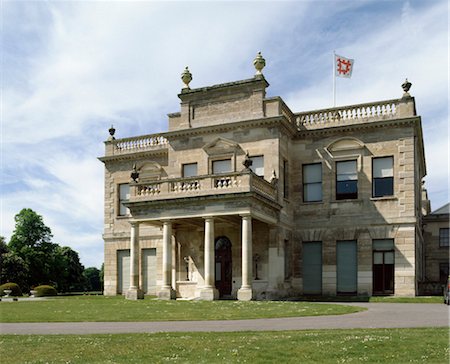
<point>209,294</point>
<point>244,294</point>
<point>167,293</point>
<point>134,294</point>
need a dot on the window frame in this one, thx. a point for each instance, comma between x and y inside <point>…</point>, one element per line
<point>221,159</point>
<point>120,201</point>
<point>305,184</point>
<point>346,196</point>
<point>444,238</point>
<point>183,174</point>
<point>375,179</point>
<point>251,167</point>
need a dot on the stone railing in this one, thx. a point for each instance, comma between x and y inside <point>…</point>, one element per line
<point>237,182</point>
<point>353,114</point>
<point>136,144</point>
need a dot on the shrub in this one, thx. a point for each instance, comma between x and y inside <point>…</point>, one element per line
<point>16,291</point>
<point>44,290</point>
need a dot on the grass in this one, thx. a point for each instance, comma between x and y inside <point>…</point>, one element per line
<point>374,299</point>
<point>428,345</point>
<point>99,308</point>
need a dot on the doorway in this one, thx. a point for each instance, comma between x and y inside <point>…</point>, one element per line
<point>223,266</point>
<point>383,256</point>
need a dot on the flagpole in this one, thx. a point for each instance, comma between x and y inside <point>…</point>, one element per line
<point>334,78</point>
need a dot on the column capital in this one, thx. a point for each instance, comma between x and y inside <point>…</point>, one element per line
<point>208,218</point>
<point>134,223</point>
<point>246,216</point>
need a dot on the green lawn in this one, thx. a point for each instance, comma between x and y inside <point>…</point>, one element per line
<point>428,345</point>
<point>99,308</point>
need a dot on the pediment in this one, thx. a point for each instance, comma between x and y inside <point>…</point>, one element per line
<point>345,144</point>
<point>150,170</point>
<point>221,146</point>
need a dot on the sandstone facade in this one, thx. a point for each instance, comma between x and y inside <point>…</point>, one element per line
<point>332,203</point>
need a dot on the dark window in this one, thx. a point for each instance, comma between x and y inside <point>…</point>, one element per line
<point>287,259</point>
<point>382,177</point>
<point>443,237</point>
<point>312,182</point>
<point>346,180</point>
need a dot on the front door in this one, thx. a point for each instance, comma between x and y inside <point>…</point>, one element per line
<point>223,266</point>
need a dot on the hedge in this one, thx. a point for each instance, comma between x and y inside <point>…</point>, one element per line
<point>44,290</point>
<point>16,291</point>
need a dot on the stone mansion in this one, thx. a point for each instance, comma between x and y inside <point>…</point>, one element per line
<point>244,198</point>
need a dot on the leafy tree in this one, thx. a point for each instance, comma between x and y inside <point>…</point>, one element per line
<point>14,269</point>
<point>31,241</point>
<point>102,276</point>
<point>67,270</point>
<point>92,276</point>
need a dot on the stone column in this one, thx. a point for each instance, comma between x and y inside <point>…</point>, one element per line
<point>134,292</point>
<point>245,292</point>
<point>166,292</point>
<point>209,292</point>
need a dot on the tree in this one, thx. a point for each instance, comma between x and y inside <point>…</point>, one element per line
<point>92,276</point>
<point>14,269</point>
<point>31,241</point>
<point>67,270</point>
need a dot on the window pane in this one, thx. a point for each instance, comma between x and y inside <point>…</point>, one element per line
<point>389,258</point>
<point>223,166</point>
<point>312,173</point>
<point>258,165</point>
<point>346,190</point>
<point>312,192</point>
<point>378,258</point>
<point>383,167</point>
<point>124,195</point>
<point>383,187</point>
<point>190,170</point>
<point>346,171</point>
<point>383,244</point>
<point>443,237</point>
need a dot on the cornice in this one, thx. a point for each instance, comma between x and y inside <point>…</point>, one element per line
<point>133,156</point>
<point>414,121</point>
<point>277,121</point>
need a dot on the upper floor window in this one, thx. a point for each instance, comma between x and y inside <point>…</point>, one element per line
<point>190,170</point>
<point>221,166</point>
<point>285,179</point>
<point>443,237</point>
<point>312,182</point>
<point>346,180</point>
<point>124,195</point>
<point>382,176</point>
<point>257,165</point>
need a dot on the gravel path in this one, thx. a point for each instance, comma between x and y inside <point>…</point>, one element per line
<point>378,315</point>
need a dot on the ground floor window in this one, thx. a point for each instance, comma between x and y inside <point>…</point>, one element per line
<point>443,272</point>
<point>347,267</point>
<point>383,257</point>
<point>312,267</point>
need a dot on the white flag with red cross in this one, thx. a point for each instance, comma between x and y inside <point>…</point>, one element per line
<point>343,66</point>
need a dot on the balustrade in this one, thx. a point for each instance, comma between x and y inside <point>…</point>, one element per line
<point>139,143</point>
<point>347,114</point>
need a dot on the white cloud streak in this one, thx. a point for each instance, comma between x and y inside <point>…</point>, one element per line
<point>73,68</point>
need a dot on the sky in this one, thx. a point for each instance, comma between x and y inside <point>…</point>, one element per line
<point>71,69</point>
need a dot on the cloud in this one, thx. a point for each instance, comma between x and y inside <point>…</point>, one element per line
<point>73,68</point>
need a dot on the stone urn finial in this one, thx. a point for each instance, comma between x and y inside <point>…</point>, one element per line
<point>186,77</point>
<point>134,174</point>
<point>406,86</point>
<point>259,62</point>
<point>112,131</point>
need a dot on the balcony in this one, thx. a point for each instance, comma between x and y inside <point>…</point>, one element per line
<point>143,143</point>
<point>208,185</point>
